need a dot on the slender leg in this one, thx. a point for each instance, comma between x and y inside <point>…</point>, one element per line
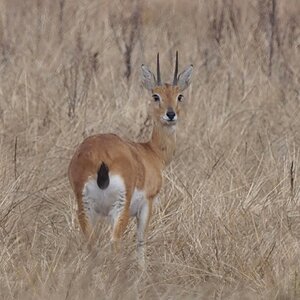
<point>120,217</point>
<point>84,224</point>
<point>87,216</point>
<point>143,219</point>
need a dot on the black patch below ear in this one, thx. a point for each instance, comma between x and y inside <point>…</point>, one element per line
<point>102,176</point>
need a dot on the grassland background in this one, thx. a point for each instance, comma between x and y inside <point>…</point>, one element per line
<point>228,225</point>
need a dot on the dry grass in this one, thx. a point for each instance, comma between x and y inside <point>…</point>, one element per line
<point>228,226</point>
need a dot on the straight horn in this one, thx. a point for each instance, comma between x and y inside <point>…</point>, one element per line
<point>158,71</point>
<point>176,70</point>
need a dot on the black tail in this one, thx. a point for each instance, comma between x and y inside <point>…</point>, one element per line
<point>102,176</point>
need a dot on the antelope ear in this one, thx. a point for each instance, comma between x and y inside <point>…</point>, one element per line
<point>184,78</point>
<point>148,78</point>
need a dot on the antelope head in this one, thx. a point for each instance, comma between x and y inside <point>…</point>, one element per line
<point>167,98</point>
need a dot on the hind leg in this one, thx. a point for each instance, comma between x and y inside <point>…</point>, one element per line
<point>87,216</point>
<point>86,227</point>
<point>143,218</point>
<point>120,217</point>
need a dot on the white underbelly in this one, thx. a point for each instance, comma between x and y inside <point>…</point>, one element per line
<point>99,202</point>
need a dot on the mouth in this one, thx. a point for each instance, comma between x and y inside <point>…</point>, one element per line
<point>168,122</point>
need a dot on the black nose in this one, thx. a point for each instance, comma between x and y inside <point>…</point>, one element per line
<point>171,115</point>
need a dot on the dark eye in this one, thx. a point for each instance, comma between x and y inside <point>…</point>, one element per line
<point>156,97</point>
<point>180,98</point>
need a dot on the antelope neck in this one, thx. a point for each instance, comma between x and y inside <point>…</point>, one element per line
<point>163,141</point>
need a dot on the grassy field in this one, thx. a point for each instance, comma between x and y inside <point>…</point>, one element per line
<point>228,223</point>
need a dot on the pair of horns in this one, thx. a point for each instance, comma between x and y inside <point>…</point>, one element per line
<point>175,72</point>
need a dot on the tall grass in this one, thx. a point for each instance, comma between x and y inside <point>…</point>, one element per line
<point>228,223</point>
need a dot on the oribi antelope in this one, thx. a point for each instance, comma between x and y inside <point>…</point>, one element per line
<point>118,178</point>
